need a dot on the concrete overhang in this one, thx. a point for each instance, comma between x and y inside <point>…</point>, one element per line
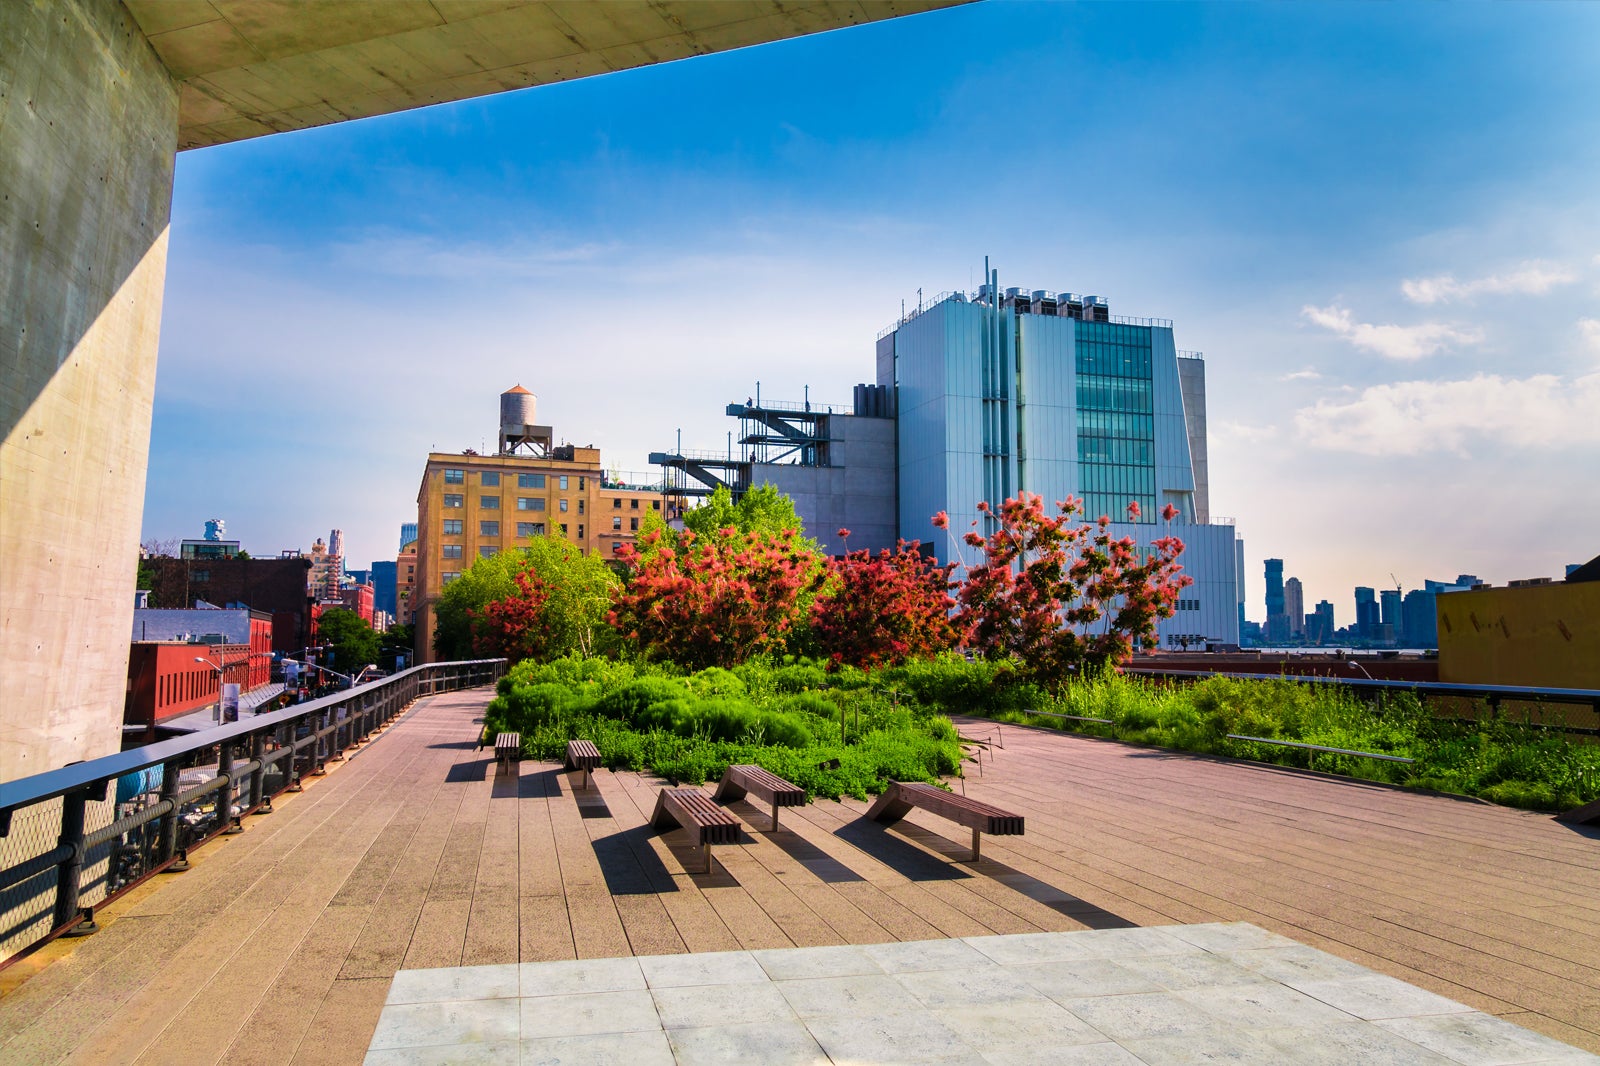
<point>247,68</point>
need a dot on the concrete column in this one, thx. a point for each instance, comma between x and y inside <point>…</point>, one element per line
<point>88,131</point>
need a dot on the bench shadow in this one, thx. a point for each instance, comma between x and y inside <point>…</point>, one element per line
<point>1039,891</point>
<point>457,745</point>
<point>821,865</point>
<point>632,867</point>
<point>906,859</point>
<point>591,804</point>
<point>478,770</point>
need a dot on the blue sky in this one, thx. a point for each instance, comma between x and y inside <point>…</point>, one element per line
<point>1380,223</point>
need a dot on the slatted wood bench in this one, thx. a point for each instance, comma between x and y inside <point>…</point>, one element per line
<point>583,755</point>
<point>745,778</point>
<point>898,799</point>
<point>507,752</point>
<point>692,809</point>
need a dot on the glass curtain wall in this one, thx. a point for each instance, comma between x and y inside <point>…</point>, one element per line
<point>1116,419</point>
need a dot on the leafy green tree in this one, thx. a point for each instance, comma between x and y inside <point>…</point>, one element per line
<point>354,643</point>
<point>762,509</point>
<point>398,639</point>
<point>573,591</point>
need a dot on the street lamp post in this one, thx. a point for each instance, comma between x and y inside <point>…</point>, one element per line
<point>222,677</point>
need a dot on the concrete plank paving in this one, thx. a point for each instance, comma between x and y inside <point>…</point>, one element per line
<point>1200,993</point>
<point>412,855</point>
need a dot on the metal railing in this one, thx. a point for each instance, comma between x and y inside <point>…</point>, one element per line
<point>75,838</point>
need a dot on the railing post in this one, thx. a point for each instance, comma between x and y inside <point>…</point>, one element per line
<point>225,793</point>
<point>71,868</point>
<point>319,723</point>
<point>169,821</point>
<point>258,777</point>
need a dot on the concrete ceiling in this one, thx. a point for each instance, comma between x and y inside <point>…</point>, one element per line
<point>247,68</point>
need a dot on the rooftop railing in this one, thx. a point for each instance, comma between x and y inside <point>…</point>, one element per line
<point>75,838</point>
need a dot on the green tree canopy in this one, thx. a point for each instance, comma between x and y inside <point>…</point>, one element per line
<point>763,509</point>
<point>354,643</point>
<point>576,596</point>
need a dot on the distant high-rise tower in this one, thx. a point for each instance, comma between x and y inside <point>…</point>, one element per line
<point>1368,617</point>
<point>1294,605</point>
<point>408,533</point>
<point>1277,629</point>
<point>1319,625</point>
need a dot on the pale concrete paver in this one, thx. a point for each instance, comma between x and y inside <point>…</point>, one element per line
<point>950,1001</point>
<point>413,855</point>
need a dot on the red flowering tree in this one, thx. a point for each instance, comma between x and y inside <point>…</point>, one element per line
<point>1057,592</point>
<point>884,609</point>
<point>715,600</point>
<point>510,627</point>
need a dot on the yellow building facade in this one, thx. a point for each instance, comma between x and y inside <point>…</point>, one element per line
<point>1545,635</point>
<point>473,506</point>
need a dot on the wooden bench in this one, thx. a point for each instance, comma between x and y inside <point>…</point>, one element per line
<point>692,809</point>
<point>507,752</point>
<point>738,780</point>
<point>898,799</point>
<point>583,755</point>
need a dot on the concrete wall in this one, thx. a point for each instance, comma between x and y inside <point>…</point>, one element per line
<point>88,128</point>
<point>856,492</point>
<point>1544,635</point>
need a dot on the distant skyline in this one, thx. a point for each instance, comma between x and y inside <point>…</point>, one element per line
<point>1380,224</point>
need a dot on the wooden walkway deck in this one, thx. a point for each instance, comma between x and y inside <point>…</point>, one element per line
<point>279,945</point>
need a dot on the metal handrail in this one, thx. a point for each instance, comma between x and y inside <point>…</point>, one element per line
<point>1492,694</point>
<point>332,724</point>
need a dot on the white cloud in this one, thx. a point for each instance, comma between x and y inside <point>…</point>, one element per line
<point>1389,341</point>
<point>1301,375</point>
<point>1242,431</point>
<point>1531,278</point>
<point>1413,417</point>
<point>1590,328</point>
<point>426,257</point>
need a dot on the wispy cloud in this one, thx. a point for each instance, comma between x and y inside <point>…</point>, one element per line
<point>1590,328</point>
<point>416,256</point>
<point>1390,341</point>
<point>1301,375</point>
<point>1531,278</point>
<point>1413,417</point>
<point>1243,431</point>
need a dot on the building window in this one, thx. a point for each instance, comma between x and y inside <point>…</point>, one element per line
<point>200,575</point>
<point>488,551</point>
<point>563,529</point>
<point>580,530</point>
<point>580,506</point>
<point>454,499</point>
<point>633,524</point>
<point>530,503</point>
<point>489,503</point>
<point>448,576</point>
<point>530,481</point>
<point>562,505</point>
<point>581,483</point>
<point>563,482</point>
<point>633,505</point>
<point>616,504</point>
<point>455,477</point>
<point>452,526</point>
<point>616,522</point>
<point>489,479</point>
<point>488,529</point>
<point>450,551</point>
<point>616,546</point>
<point>530,529</point>
<point>655,505</point>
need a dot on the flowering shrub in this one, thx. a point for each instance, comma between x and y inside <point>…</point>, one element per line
<point>1057,593</point>
<point>715,600</point>
<point>884,609</point>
